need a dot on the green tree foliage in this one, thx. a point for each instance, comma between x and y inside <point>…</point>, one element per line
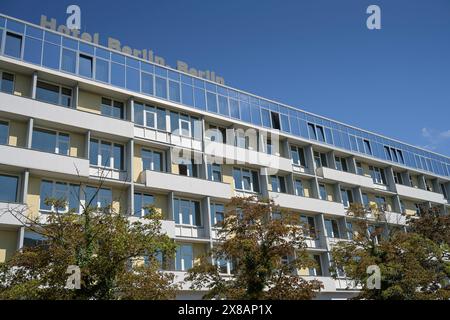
<point>413,264</point>
<point>265,253</point>
<point>105,245</point>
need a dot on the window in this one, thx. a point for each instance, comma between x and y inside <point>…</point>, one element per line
<point>142,202</point>
<point>381,203</point>
<point>188,168</point>
<point>298,156</point>
<point>377,175</point>
<point>367,147</point>
<point>298,187</point>
<point>50,141</point>
<point>265,114</point>
<point>54,94</point>
<point>268,147</point>
<point>13,45</point>
<point>147,83</point>
<point>7,82</point>
<point>359,169</point>
<point>85,66</point>
<point>215,172</point>
<point>312,131</point>
<point>347,197</point>
<point>350,233</point>
<point>161,87</point>
<point>309,226</point>
<point>275,120</point>
<point>152,160</point>
<point>185,125</point>
<point>317,270</point>
<point>398,178</point>
<point>100,198</point>
<point>102,70</point>
<point>150,116</point>
<point>278,184</point>
<point>246,180</point>
<point>241,140</point>
<point>69,60</point>
<point>70,193</point>
<point>320,159</point>
<point>184,258</point>
<point>217,213</point>
<point>365,200</point>
<point>9,188</point>
<point>320,133</point>
<point>323,192</point>
<point>341,164</point>
<point>112,108</point>
<point>4,132</point>
<point>187,212</point>
<point>218,134</point>
<point>387,153</point>
<point>106,154</point>
<point>331,227</point>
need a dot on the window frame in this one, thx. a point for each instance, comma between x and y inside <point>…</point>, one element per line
<point>2,72</point>
<point>112,158</point>
<point>68,185</point>
<point>60,93</point>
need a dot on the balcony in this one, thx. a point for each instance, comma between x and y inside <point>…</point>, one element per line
<point>307,204</point>
<point>189,231</point>
<point>346,284</point>
<point>420,194</point>
<point>167,226</point>
<point>235,155</point>
<point>345,177</point>
<point>43,161</point>
<point>185,185</point>
<point>107,173</point>
<point>66,116</point>
<point>11,214</point>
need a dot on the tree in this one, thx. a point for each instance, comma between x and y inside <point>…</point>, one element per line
<point>265,246</point>
<point>105,245</point>
<point>412,264</point>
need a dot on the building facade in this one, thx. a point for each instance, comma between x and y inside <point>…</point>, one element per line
<point>74,114</point>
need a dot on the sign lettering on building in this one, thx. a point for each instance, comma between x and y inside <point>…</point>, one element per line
<point>115,44</point>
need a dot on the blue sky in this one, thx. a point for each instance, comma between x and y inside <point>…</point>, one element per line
<point>316,55</point>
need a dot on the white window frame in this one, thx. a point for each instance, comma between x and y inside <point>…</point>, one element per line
<point>191,213</point>
<point>214,211</point>
<point>111,160</point>
<point>67,192</point>
<point>142,194</point>
<point>57,134</point>
<point>152,162</point>
<point>112,107</point>
<point>184,256</point>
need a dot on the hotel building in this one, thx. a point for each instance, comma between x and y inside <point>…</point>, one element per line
<point>73,114</point>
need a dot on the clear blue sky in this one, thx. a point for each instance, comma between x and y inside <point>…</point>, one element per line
<point>316,55</point>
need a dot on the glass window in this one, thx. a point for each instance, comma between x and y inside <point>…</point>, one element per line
<point>93,152</point>
<point>215,172</point>
<point>138,113</point>
<point>161,87</point>
<point>184,258</point>
<point>331,227</point>
<point>245,111</point>
<point>85,66</point>
<point>63,144</point>
<point>320,133</point>
<point>217,213</point>
<point>152,160</point>
<point>33,50</point>
<point>9,186</point>
<point>367,146</point>
<point>118,157</point>
<point>46,193</point>
<point>211,100</point>
<point>66,97</point>
<point>7,82</point>
<point>298,156</point>
<point>147,83</point>
<point>105,154</point>
<point>275,120</point>
<point>234,109</point>
<point>328,136</point>
<point>223,106</point>
<point>118,75</point>
<point>13,45</point>
<point>142,202</point>
<point>133,79</point>
<point>174,91</point>
<point>312,131</point>
<point>50,56</point>
<point>187,94</point>
<point>44,140</point>
<point>47,92</point>
<point>69,61</point>
<point>102,70</point>
<point>323,192</point>
<point>298,186</point>
<point>200,98</point>
<point>4,128</point>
